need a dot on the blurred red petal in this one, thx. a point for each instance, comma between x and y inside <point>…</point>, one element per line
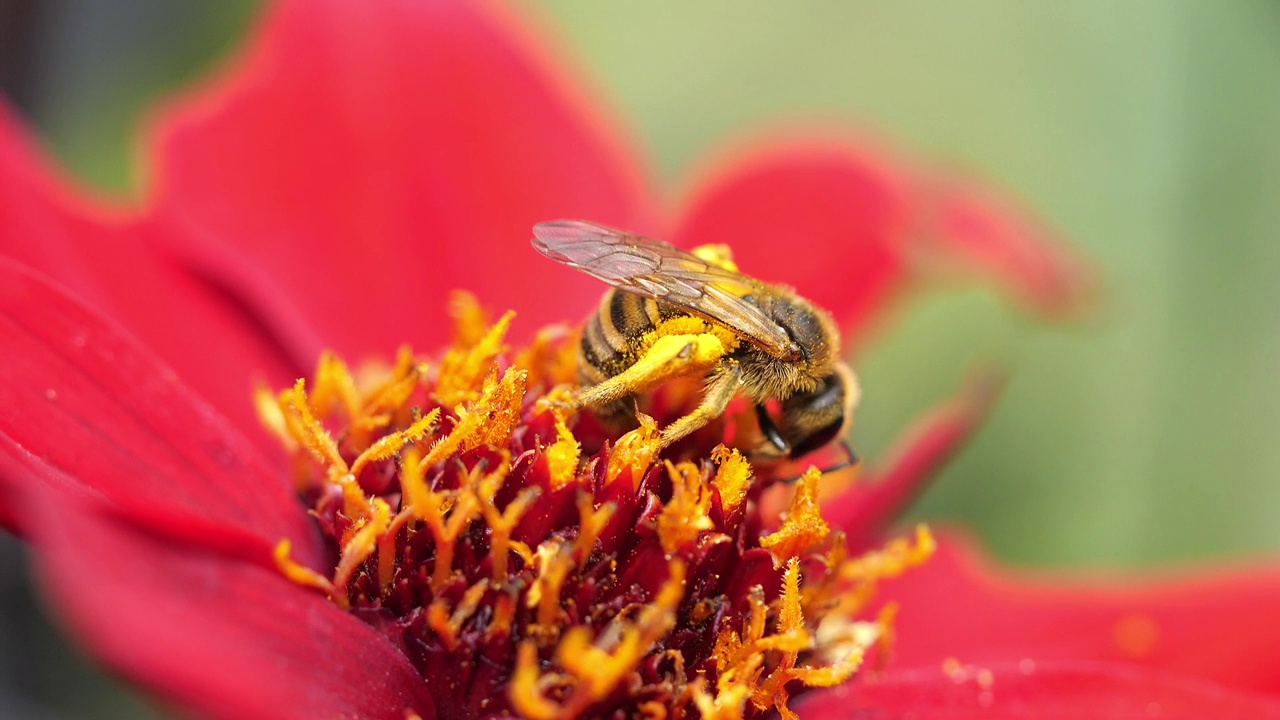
<point>1219,627</point>
<point>851,226</point>
<point>825,217</point>
<point>106,260</point>
<point>368,158</point>
<point>1034,690</point>
<point>216,635</point>
<point>866,510</point>
<point>85,410</point>
<point>979,229</point>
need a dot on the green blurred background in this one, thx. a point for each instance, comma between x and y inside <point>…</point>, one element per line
<point>1147,132</point>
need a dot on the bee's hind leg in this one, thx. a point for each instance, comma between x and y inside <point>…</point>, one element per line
<point>720,391</point>
<point>671,356</point>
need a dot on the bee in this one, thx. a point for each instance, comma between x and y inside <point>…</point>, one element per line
<point>777,345</point>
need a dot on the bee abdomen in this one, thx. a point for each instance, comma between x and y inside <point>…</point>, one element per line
<point>628,316</point>
<point>611,333</point>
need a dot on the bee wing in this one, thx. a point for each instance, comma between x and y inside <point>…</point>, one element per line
<point>664,272</point>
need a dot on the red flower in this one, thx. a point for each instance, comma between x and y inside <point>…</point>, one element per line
<point>361,162</point>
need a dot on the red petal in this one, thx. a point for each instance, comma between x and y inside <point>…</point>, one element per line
<point>1220,626</point>
<point>850,226</point>
<point>865,511</point>
<point>1035,690</point>
<point>105,259</point>
<point>827,218</point>
<point>84,410</point>
<point>982,230</point>
<point>215,635</point>
<point>367,158</point>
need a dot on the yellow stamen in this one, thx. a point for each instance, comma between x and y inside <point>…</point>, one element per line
<point>635,451</point>
<point>595,667</point>
<point>529,687</point>
<point>469,360</point>
<point>554,561</point>
<point>387,401</point>
<point>303,575</point>
<point>502,524</point>
<point>792,637</point>
<point>471,321</point>
<point>591,522</point>
<point>272,417</point>
<point>504,612</point>
<point>413,483</point>
<point>313,435</point>
<point>465,506</point>
<point>685,516</point>
<point>549,359</point>
<point>898,556</point>
<point>389,446</point>
<point>335,387</point>
<point>732,479</point>
<point>362,542</point>
<point>447,626</point>
<point>387,549</point>
<point>562,456</point>
<point>487,421</point>
<point>804,526</point>
<point>729,701</point>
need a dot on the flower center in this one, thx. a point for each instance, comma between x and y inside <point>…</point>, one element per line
<point>527,562</point>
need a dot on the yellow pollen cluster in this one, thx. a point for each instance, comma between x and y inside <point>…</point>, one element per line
<point>430,480</point>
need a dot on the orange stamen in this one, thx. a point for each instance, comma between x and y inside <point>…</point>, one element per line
<point>362,542</point>
<point>303,575</point>
<point>448,626</point>
<point>804,527</point>
<point>635,451</point>
<point>733,477</point>
<point>562,456</point>
<point>685,517</point>
<point>592,521</point>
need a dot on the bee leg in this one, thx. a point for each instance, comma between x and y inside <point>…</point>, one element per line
<point>670,357</point>
<point>775,445</point>
<point>724,385</point>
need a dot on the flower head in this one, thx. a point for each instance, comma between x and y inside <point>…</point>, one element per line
<point>469,525</point>
<point>436,524</point>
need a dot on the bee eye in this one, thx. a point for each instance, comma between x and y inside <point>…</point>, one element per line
<point>800,347</point>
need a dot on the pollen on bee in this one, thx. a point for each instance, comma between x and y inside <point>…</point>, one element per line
<point>717,254</point>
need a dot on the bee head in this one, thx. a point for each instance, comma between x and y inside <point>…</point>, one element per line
<point>812,332</point>
<point>809,419</point>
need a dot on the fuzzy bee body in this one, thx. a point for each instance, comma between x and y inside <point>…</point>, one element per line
<point>609,345</point>
<point>770,343</point>
<point>609,337</point>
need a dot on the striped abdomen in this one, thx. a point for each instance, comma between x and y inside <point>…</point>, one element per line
<point>611,335</point>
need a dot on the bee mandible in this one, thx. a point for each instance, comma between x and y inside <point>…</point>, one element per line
<point>671,313</point>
